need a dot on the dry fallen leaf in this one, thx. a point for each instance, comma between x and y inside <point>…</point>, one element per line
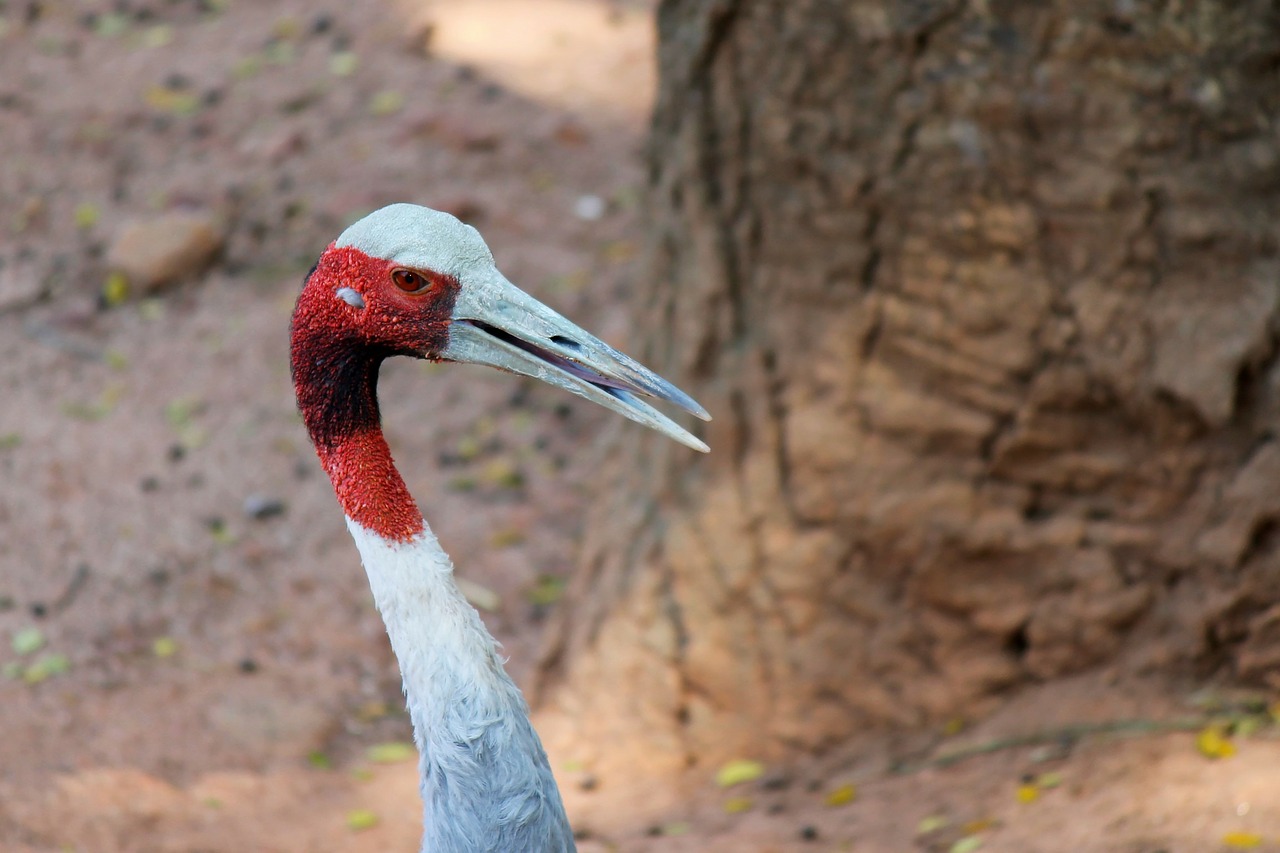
<point>1237,840</point>
<point>362,819</point>
<point>480,596</point>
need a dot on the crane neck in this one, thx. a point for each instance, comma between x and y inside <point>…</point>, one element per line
<point>485,781</point>
<point>337,388</point>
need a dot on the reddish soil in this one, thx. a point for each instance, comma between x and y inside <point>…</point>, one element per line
<point>225,675</point>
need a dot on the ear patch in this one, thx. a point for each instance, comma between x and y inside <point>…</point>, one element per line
<point>350,296</point>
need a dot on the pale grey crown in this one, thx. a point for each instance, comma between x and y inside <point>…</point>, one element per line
<point>420,237</point>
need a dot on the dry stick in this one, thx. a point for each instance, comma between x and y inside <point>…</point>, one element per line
<point>63,601</point>
<point>1067,733</point>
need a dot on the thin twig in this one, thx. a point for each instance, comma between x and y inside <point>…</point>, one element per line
<point>1060,735</point>
<point>63,601</point>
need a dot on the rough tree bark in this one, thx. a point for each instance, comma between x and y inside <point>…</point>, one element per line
<point>984,296</point>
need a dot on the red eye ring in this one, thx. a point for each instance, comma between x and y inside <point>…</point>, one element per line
<point>410,281</point>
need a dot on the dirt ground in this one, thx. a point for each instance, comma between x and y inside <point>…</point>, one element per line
<point>191,658</point>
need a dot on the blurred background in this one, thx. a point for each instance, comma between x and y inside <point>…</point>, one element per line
<point>984,298</point>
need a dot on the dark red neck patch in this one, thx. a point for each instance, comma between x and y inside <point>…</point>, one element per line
<point>335,354</point>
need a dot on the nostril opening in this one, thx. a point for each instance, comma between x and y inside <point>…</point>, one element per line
<point>565,342</point>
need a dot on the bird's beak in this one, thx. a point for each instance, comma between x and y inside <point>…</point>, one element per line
<point>496,323</point>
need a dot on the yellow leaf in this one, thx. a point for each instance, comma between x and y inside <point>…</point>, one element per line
<point>343,63</point>
<point>372,710</point>
<point>930,824</point>
<point>86,215</point>
<point>841,796</point>
<point>115,289</point>
<point>507,537</point>
<point>953,726</point>
<point>287,28</point>
<point>968,844</point>
<point>739,771</point>
<point>362,819</point>
<point>158,36</point>
<point>46,667</point>
<point>391,752</point>
<point>175,101</point>
<point>737,805</point>
<point>386,103</point>
<point>1242,840</point>
<point>1028,793</point>
<point>164,647</point>
<point>1045,781</point>
<point>1213,743</point>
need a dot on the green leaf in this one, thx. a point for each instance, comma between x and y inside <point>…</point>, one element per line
<point>28,641</point>
<point>343,63</point>
<point>392,752</point>
<point>111,24</point>
<point>738,771</point>
<point>46,667</point>
<point>115,290</point>
<point>361,819</point>
<point>386,103</point>
<point>86,215</point>
<point>547,590</point>
<point>164,647</point>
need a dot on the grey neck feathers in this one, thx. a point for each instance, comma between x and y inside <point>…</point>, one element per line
<point>486,784</point>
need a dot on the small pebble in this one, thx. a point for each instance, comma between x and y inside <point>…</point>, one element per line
<point>809,833</point>
<point>259,507</point>
<point>589,208</point>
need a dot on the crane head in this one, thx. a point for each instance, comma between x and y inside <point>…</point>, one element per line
<point>408,280</point>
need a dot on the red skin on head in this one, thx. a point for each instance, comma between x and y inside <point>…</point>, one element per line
<point>336,350</point>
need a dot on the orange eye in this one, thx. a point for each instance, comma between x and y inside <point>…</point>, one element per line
<point>410,281</point>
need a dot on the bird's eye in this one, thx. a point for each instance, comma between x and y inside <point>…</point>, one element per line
<point>410,281</point>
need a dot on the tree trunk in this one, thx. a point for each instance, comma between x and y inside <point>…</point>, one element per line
<point>984,297</point>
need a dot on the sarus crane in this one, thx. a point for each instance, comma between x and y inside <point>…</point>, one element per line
<point>408,280</point>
